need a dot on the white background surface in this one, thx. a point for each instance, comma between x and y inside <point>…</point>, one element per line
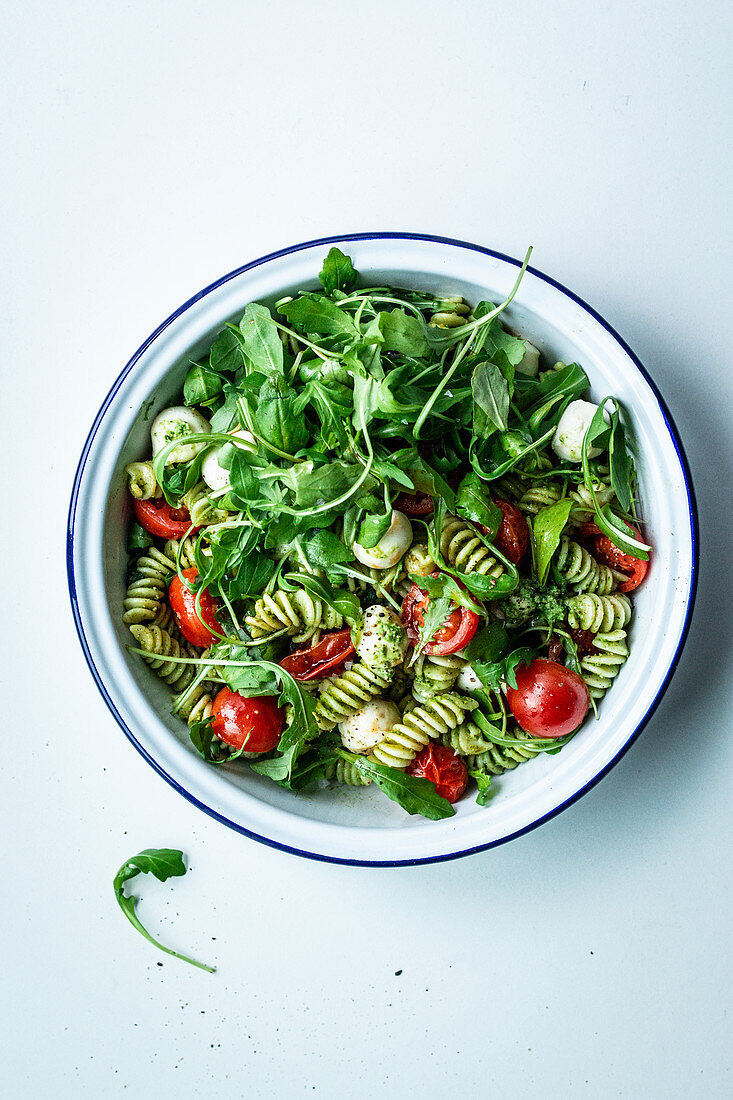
<point>151,147</point>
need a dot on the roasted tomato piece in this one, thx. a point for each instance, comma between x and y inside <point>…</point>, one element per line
<point>442,767</point>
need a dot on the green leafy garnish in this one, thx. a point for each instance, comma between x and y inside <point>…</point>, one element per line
<point>548,527</point>
<point>413,793</point>
<point>163,863</point>
<point>483,781</point>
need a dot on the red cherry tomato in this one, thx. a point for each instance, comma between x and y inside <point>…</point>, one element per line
<point>414,504</point>
<point>442,767</point>
<point>322,659</point>
<point>512,538</point>
<point>183,603</point>
<point>456,632</point>
<point>608,553</point>
<point>157,517</point>
<point>255,723</point>
<point>549,699</point>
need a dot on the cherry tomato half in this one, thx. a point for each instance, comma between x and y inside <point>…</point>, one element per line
<point>608,553</point>
<point>442,767</point>
<point>255,723</point>
<point>549,699</point>
<point>414,504</point>
<point>183,603</point>
<point>320,660</point>
<point>512,538</point>
<point>456,632</point>
<point>157,517</point>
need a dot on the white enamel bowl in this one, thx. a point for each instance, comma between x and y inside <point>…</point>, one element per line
<point>362,826</point>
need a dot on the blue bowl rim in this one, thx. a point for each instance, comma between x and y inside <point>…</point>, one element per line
<point>335,240</point>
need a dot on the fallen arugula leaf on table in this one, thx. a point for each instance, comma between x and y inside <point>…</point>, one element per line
<point>163,863</point>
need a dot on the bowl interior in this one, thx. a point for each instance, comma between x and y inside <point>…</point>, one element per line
<point>362,824</point>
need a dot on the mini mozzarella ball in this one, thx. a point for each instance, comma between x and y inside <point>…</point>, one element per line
<point>214,474</point>
<point>467,679</point>
<point>362,731</point>
<point>529,364</point>
<point>390,548</point>
<point>382,640</point>
<point>418,561</point>
<point>567,441</point>
<point>176,423</point>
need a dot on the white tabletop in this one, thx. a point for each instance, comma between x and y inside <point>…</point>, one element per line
<point>149,148</point>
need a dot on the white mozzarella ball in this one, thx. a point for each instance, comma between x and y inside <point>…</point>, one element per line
<point>390,548</point>
<point>362,731</point>
<point>176,423</point>
<point>382,641</point>
<point>529,364</point>
<point>467,679</point>
<point>567,441</point>
<point>214,474</point>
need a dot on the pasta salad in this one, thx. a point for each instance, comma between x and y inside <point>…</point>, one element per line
<point>380,539</point>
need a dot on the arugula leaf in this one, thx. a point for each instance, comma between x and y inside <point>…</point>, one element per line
<point>324,549</point>
<point>494,341</point>
<point>426,479</point>
<point>163,863</point>
<point>473,502</point>
<point>210,747</point>
<point>491,394</point>
<point>252,575</point>
<point>338,272</point>
<point>226,416</point>
<point>620,463</point>
<point>138,538</point>
<point>548,527</point>
<point>483,782</point>
<point>278,416</point>
<point>314,313</point>
<point>611,525</point>
<point>261,340</point>
<point>413,793</point>
<point>373,528</point>
<point>226,352</point>
<point>492,673</point>
<point>317,487</point>
<point>446,585</point>
<point>201,385</point>
<point>434,617</point>
<point>488,644</point>
<point>403,333</point>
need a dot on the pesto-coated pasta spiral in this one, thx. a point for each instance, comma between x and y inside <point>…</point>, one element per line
<point>462,548</point>
<point>200,508</point>
<point>466,740</point>
<point>581,569</point>
<point>348,693</point>
<point>538,497</point>
<point>592,612</point>
<point>601,668</point>
<point>343,771</point>
<point>434,675</point>
<point>420,726</point>
<point>159,645</point>
<point>582,498</point>
<point>299,614</point>
<point>187,557</point>
<point>512,486</point>
<point>143,485</point>
<point>452,313</point>
<point>503,758</point>
<point>145,595</point>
